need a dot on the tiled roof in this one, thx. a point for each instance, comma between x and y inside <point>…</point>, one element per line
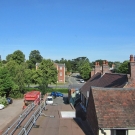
<point>60,64</point>
<point>115,107</point>
<point>112,80</point>
<point>109,80</point>
<point>91,82</point>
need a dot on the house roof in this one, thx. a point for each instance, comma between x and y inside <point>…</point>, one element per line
<point>112,80</point>
<point>60,64</point>
<point>108,80</point>
<point>115,107</point>
<point>91,82</point>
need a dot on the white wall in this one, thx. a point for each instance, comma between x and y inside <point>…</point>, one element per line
<point>107,132</point>
<point>131,132</point>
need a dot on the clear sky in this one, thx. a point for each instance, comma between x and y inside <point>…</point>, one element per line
<point>97,29</point>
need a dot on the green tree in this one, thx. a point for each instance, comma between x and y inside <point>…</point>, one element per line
<point>18,57</point>
<point>116,66</point>
<point>9,57</point>
<point>7,85</point>
<point>123,68</point>
<point>34,58</point>
<point>85,70</point>
<point>28,76</point>
<point>20,78</point>
<point>12,67</point>
<point>49,74</point>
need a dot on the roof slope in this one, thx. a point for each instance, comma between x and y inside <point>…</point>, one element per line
<point>112,80</point>
<point>109,80</point>
<point>114,108</point>
<point>91,82</point>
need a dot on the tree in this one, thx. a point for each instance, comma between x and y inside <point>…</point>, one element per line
<point>49,74</point>
<point>116,66</point>
<point>123,68</point>
<point>17,73</point>
<point>20,78</point>
<point>9,57</point>
<point>34,58</point>
<point>28,75</point>
<point>7,85</point>
<point>12,66</point>
<point>85,70</point>
<point>18,57</point>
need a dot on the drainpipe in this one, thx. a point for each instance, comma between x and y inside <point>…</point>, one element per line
<point>102,131</point>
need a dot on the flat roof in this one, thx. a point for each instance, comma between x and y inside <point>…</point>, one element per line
<point>58,125</point>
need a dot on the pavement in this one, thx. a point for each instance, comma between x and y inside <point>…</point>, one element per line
<point>10,112</point>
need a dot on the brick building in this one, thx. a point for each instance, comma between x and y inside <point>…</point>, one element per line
<point>61,72</point>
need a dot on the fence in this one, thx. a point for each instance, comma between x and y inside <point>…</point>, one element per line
<point>32,121</point>
<point>17,123</point>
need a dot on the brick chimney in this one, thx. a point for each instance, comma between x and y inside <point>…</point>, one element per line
<point>97,67</point>
<point>92,72</point>
<point>132,67</point>
<point>105,67</point>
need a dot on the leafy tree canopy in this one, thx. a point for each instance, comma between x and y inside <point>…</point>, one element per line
<point>123,68</point>
<point>18,57</point>
<point>7,85</point>
<point>34,58</point>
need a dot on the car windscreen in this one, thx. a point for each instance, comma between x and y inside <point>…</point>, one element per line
<point>49,99</point>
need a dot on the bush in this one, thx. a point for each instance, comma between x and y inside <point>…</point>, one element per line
<point>16,94</point>
<point>3,101</point>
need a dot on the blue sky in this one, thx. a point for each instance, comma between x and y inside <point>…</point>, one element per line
<point>97,29</point>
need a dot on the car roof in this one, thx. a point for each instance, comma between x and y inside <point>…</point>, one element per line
<point>49,96</point>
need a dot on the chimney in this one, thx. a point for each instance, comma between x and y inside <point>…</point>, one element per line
<point>97,67</point>
<point>132,67</point>
<point>105,67</point>
<point>92,72</point>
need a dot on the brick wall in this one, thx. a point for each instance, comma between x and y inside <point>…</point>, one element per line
<point>91,115</point>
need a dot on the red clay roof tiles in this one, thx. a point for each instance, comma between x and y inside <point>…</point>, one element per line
<point>115,108</point>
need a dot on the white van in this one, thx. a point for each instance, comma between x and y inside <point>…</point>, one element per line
<point>49,100</point>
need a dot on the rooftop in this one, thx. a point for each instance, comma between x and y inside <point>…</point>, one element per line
<point>59,125</point>
<point>115,107</point>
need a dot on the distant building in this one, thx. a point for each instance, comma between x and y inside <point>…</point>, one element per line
<point>61,72</point>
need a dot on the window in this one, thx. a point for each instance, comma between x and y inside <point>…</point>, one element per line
<point>60,73</point>
<point>60,68</point>
<point>119,132</point>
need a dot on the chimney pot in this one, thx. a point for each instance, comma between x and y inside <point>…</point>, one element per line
<point>131,58</point>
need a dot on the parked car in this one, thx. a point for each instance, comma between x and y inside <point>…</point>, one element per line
<point>49,100</point>
<point>56,94</point>
<point>9,100</point>
<point>1,106</point>
<point>81,81</point>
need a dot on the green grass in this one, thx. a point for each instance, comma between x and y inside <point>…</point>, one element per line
<point>62,90</point>
<point>49,90</point>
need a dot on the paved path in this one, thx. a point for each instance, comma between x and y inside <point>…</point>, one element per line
<point>10,112</point>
